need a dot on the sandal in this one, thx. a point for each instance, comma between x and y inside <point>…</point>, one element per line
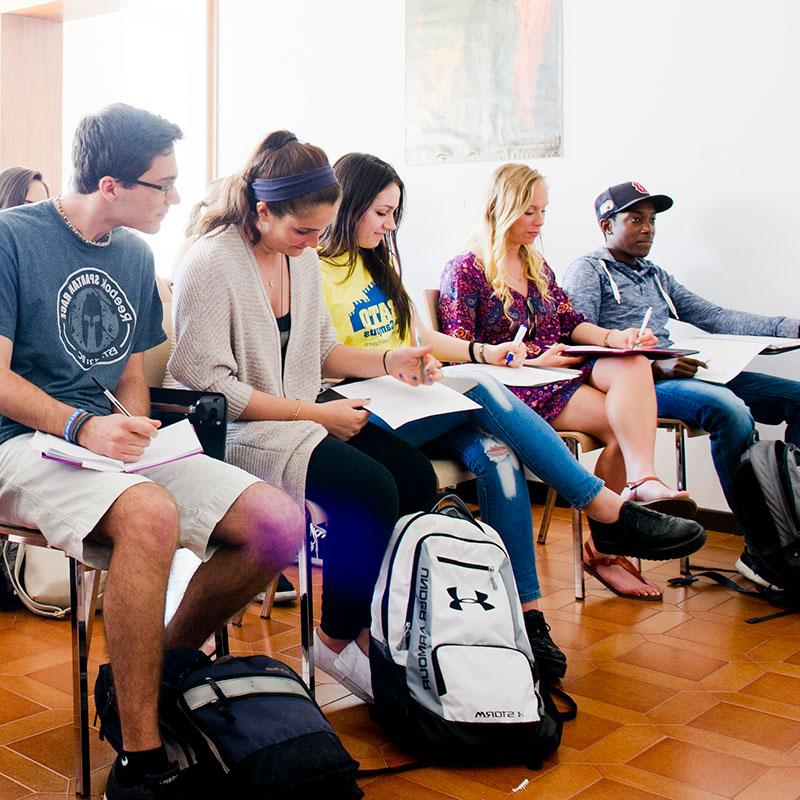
<point>591,560</point>
<point>682,506</point>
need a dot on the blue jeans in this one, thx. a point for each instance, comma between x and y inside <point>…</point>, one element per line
<point>502,489</point>
<point>728,413</point>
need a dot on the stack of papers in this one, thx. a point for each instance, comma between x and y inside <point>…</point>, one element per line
<point>726,356</point>
<point>397,403</point>
<point>511,376</point>
<point>172,443</point>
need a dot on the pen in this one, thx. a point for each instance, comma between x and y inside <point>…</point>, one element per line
<point>520,335</point>
<point>647,315</point>
<point>116,403</point>
<point>418,342</point>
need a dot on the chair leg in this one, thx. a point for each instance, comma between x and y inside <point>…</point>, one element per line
<point>312,536</point>
<point>81,603</point>
<point>577,554</point>
<point>549,504</point>
<point>269,598</point>
<point>680,479</point>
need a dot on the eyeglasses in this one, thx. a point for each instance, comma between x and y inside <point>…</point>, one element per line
<point>165,188</point>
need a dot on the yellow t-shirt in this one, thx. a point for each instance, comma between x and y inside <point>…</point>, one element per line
<point>362,314</point>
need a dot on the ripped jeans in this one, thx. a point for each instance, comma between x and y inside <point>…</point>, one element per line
<point>478,440</point>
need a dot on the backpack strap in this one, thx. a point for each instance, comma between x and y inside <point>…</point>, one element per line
<point>453,506</point>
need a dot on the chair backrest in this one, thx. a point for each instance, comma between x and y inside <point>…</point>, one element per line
<point>431,298</point>
<point>155,360</point>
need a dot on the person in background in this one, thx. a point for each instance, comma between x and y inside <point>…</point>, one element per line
<point>503,283</point>
<point>362,281</point>
<point>20,185</point>
<point>613,286</point>
<point>250,322</point>
<point>78,302</point>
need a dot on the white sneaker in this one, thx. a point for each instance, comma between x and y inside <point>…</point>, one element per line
<point>350,667</point>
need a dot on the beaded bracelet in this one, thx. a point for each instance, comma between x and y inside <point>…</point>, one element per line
<point>71,421</point>
<point>78,424</point>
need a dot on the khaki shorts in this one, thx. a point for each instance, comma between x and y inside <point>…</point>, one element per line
<point>65,502</point>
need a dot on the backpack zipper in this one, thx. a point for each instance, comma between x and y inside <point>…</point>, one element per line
<point>467,565</point>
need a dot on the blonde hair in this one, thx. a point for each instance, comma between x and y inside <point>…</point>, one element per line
<point>510,194</point>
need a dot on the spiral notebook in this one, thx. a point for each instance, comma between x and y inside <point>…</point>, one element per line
<point>172,443</point>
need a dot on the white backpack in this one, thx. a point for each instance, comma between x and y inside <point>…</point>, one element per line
<point>452,669</point>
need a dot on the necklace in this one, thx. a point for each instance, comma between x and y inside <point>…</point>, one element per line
<point>105,242</point>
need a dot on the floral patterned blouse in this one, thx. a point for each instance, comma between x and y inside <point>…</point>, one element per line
<point>469,309</point>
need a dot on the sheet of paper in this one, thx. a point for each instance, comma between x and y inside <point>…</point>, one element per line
<point>397,403</point>
<point>769,344</point>
<point>726,357</point>
<point>516,376</point>
<point>174,442</point>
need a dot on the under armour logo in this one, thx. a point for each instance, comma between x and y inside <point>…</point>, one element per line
<point>479,599</point>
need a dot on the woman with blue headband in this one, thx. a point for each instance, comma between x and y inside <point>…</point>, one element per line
<point>250,322</point>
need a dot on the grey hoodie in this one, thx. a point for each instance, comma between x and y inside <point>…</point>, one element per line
<point>616,295</point>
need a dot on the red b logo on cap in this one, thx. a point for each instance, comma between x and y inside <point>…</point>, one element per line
<point>639,188</point>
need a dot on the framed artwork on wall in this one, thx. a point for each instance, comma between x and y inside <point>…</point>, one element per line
<point>483,80</point>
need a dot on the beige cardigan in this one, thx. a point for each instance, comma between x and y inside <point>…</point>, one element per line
<point>227,340</point>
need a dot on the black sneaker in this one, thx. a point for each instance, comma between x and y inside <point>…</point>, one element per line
<point>285,593</point>
<point>642,533</point>
<point>166,786</point>
<point>746,565</point>
<point>552,662</point>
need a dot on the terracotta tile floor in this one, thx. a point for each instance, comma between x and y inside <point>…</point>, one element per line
<point>679,699</point>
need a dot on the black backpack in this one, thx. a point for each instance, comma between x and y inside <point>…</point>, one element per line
<point>243,727</point>
<point>766,492</point>
<point>766,486</point>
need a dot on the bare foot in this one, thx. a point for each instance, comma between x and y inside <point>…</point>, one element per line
<point>619,575</point>
<point>650,489</point>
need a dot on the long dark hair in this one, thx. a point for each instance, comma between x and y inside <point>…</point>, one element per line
<point>362,177</point>
<point>14,185</point>
<point>278,156</point>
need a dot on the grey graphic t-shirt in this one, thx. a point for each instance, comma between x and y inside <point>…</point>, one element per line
<point>72,310</point>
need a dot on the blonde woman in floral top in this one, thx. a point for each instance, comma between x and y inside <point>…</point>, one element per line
<point>502,283</point>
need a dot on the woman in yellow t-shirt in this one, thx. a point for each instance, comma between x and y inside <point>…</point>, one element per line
<point>362,284</point>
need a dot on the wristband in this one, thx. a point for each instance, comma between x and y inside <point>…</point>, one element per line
<point>607,336</point>
<point>79,423</point>
<point>472,358</point>
<point>71,421</point>
<point>385,368</point>
<point>482,354</point>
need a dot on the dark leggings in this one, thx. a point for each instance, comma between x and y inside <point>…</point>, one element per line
<point>364,484</point>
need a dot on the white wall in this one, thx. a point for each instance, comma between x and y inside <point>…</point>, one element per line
<point>694,99</point>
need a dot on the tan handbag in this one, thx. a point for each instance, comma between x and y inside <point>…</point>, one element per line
<point>40,578</point>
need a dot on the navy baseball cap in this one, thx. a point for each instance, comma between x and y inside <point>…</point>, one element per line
<point>624,195</point>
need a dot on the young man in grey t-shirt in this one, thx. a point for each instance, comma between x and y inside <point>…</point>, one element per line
<point>78,301</point>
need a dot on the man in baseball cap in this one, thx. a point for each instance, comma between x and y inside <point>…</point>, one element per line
<point>614,285</point>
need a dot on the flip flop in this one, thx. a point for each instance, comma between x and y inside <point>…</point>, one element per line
<point>674,506</point>
<point>591,560</point>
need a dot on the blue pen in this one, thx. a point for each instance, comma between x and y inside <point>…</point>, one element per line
<point>521,331</point>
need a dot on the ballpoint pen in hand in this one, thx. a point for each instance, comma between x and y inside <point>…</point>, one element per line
<point>645,321</point>
<point>113,400</point>
<point>520,335</point>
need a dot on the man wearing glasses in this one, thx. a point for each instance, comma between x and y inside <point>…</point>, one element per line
<point>79,302</point>
<point>614,285</point>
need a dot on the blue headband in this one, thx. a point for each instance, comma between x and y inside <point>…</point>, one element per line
<point>274,189</point>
